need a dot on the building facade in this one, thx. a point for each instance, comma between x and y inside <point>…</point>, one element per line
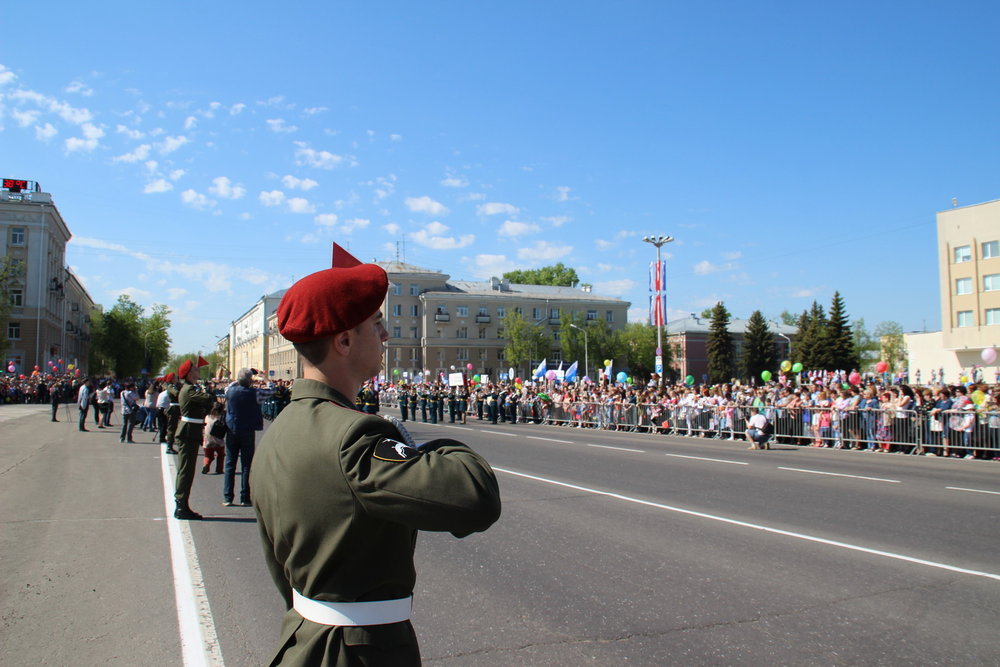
<point>49,319</point>
<point>687,337</point>
<point>969,283</point>
<point>248,339</point>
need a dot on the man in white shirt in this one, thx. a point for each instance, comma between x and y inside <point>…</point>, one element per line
<point>83,402</point>
<point>757,434</point>
<point>162,405</point>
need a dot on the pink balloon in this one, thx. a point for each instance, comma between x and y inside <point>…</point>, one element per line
<point>854,378</point>
<point>881,367</point>
<point>989,355</point>
<point>468,367</point>
<point>550,375</point>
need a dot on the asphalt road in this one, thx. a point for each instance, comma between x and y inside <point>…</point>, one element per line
<point>613,548</point>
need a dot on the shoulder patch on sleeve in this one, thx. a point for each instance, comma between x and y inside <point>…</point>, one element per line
<point>394,451</point>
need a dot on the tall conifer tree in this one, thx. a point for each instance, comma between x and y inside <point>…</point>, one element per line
<point>758,348</point>
<point>719,347</point>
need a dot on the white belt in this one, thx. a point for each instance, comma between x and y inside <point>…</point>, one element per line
<point>379,612</point>
<point>172,404</point>
<point>192,420</point>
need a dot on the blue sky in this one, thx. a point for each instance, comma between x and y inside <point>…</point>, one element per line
<point>205,156</point>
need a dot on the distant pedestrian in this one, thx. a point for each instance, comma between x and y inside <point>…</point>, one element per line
<point>243,420</point>
<point>130,412</point>
<point>215,439</point>
<point>83,400</point>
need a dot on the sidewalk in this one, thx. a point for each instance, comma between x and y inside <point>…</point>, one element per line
<point>83,540</point>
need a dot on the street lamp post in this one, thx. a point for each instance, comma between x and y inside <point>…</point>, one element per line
<point>659,242</point>
<point>586,350</point>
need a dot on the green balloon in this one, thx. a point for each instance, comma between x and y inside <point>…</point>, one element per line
<point>765,376</point>
<point>797,367</point>
<point>475,378</point>
<point>395,371</point>
<point>689,380</point>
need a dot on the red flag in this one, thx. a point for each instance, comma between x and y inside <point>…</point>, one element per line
<point>201,361</point>
<point>343,259</point>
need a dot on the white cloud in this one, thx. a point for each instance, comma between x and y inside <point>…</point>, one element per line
<point>312,111</point>
<point>237,108</point>
<point>128,132</point>
<point>175,293</point>
<point>25,118</point>
<point>515,229</point>
<point>431,236</point>
<point>805,292</point>
<point>604,268</point>
<point>190,123</point>
<point>732,255</point>
<point>544,251</point>
<point>79,87</point>
<point>176,174</point>
<point>494,208</point>
<point>355,223</point>
<point>391,228</point>
<point>279,125</point>
<point>151,165</point>
<point>395,137</point>
<point>293,183</point>
<point>473,196</point>
<point>6,76</point>
<point>272,198</point>
<point>454,182</point>
<point>224,188</point>
<point>300,205</point>
<point>562,193</point>
<point>141,152</point>
<point>384,186</point>
<point>159,185</point>
<point>326,219</point>
<point>196,200</point>
<point>45,132</point>
<point>89,141</point>
<point>557,220</point>
<point>487,266</point>
<point>705,267</point>
<point>425,205</point>
<point>615,287</point>
<point>314,158</point>
<point>603,245</point>
<point>171,144</point>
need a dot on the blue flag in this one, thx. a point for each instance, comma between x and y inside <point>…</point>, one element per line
<point>571,372</point>
<point>540,371</point>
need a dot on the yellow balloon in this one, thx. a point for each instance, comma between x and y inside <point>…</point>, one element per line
<point>978,397</point>
<point>71,366</point>
<point>607,362</point>
<point>964,378</point>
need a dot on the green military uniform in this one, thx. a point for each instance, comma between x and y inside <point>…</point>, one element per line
<point>194,405</point>
<point>339,500</point>
<point>173,413</point>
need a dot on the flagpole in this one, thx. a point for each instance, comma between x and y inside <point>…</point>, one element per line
<point>661,317</point>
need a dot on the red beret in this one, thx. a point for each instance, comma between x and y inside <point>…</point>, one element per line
<point>185,368</point>
<point>169,377</point>
<point>330,301</point>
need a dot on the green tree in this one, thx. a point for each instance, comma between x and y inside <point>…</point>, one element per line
<point>866,346</point>
<point>719,346</point>
<point>890,337</point>
<point>123,337</point>
<point>758,348</point>
<point>557,275</point>
<point>527,342</point>
<point>788,319</point>
<point>11,271</point>
<point>839,340</point>
<point>809,346</point>
<point>639,346</point>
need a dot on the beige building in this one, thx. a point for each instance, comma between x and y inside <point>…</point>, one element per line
<point>50,309</point>
<point>248,340</point>
<point>969,276</point>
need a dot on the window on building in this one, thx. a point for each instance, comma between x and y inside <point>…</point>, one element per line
<point>396,289</point>
<point>500,332</point>
<point>462,311</point>
<point>17,235</point>
<point>501,311</point>
<point>483,356</point>
<point>501,356</point>
<point>963,253</point>
<point>414,353</point>
<point>536,313</point>
<point>518,310</point>
<point>482,332</point>
<point>991,282</point>
<point>591,315</point>
<point>463,332</point>
<point>463,354</point>
<point>16,298</point>
<point>963,318</point>
<point>14,330</point>
<point>555,335</point>
<point>415,310</point>
<point>963,286</point>
<point>609,316</point>
<point>991,249</point>
<point>414,289</point>
<point>397,332</point>
<point>483,311</point>
<point>992,316</point>
<point>553,313</point>
<point>555,356</point>
<point>414,333</point>
<point>397,309</point>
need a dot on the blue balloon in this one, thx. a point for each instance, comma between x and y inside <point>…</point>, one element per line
<point>622,375</point>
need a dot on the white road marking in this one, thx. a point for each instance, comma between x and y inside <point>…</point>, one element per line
<point>460,428</point>
<point>958,488</point>
<point>754,526</point>
<point>705,458</point>
<point>509,435</point>
<point>535,437</point>
<point>199,642</point>
<point>840,474</point>
<point>620,449</point>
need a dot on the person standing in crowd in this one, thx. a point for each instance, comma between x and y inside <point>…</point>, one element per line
<point>83,400</point>
<point>55,397</point>
<point>194,405</point>
<point>173,411</point>
<point>340,494</point>
<point>130,410</point>
<point>149,407</point>
<point>243,420</point>
<point>215,439</point>
<point>162,413</point>
<point>404,400</point>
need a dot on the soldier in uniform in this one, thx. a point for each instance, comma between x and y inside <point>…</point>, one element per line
<point>433,399</point>
<point>339,495</point>
<point>173,412</point>
<point>194,406</point>
<point>404,400</point>
<point>452,405</point>
<point>511,406</point>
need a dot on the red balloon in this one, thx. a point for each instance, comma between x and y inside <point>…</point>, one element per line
<point>60,361</point>
<point>881,367</point>
<point>77,372</point>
